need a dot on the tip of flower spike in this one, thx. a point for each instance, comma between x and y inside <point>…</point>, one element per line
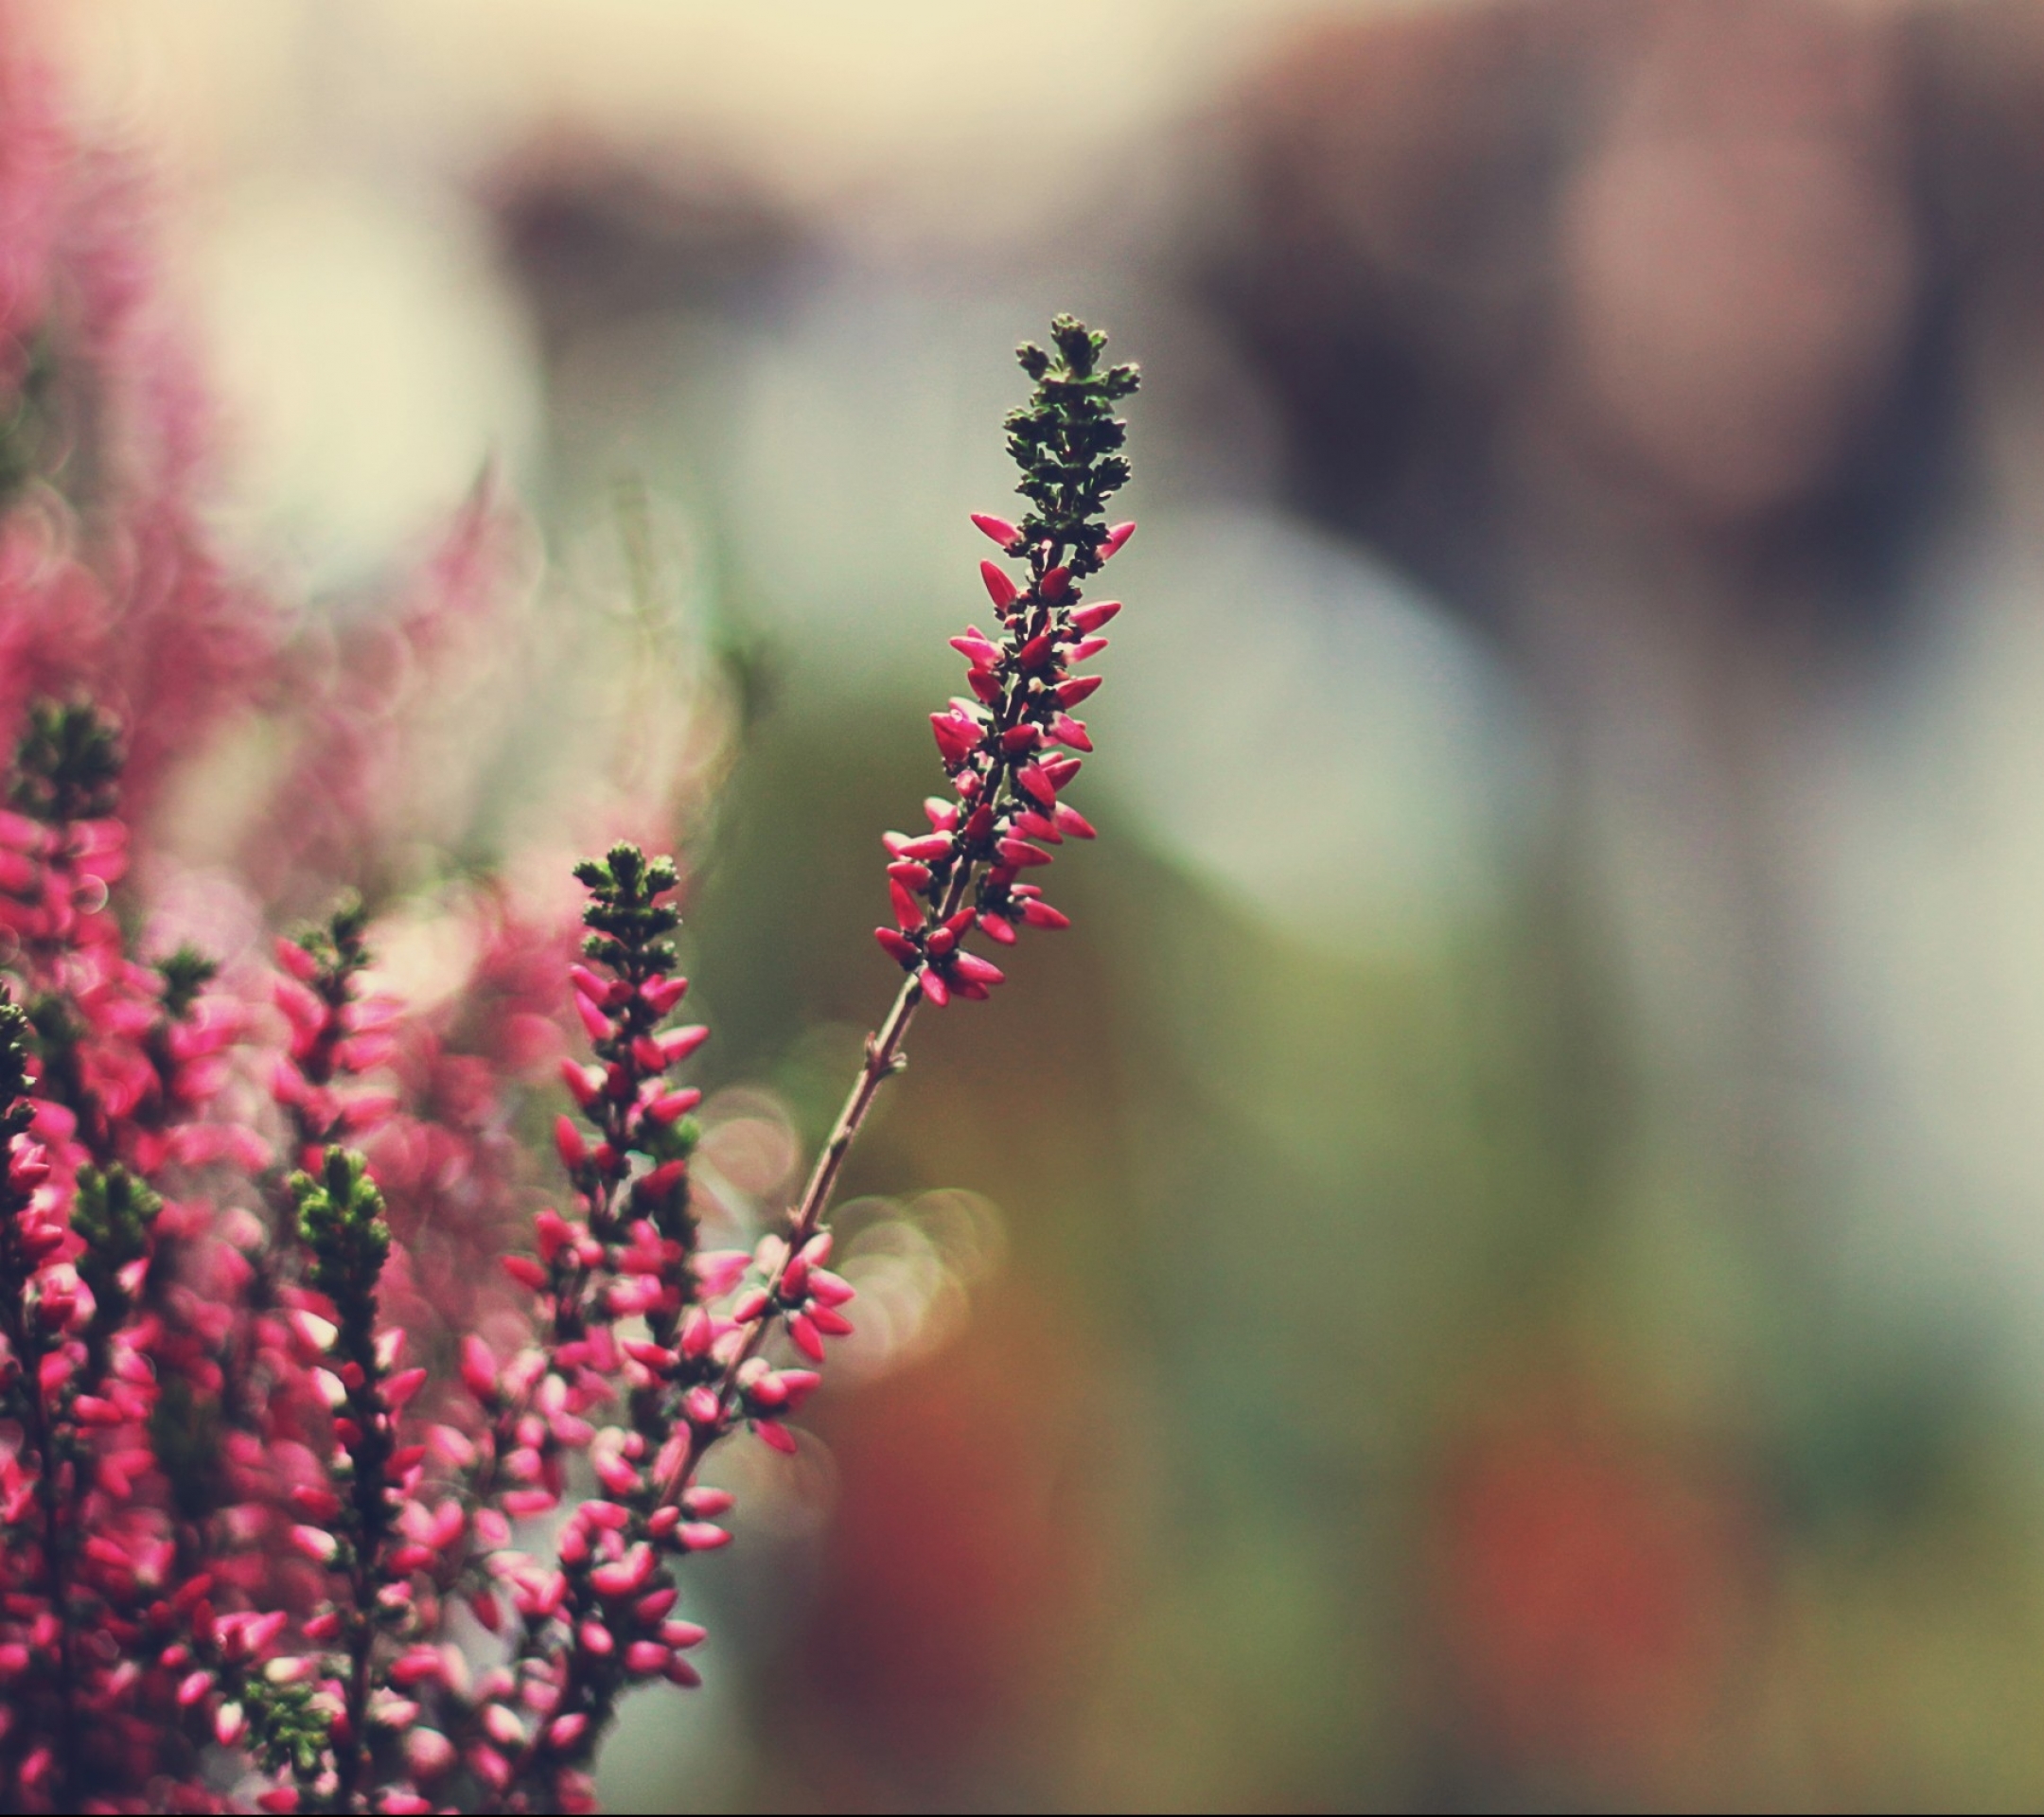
<point>999,529</point>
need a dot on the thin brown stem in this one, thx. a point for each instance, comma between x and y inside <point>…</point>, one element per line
<point>883,1051</point>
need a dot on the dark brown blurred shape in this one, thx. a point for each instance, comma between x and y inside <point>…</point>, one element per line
<point>596,236</point>
<point>1715,261</point>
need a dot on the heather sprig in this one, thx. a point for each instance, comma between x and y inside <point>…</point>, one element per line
<point>336,1033</point>
<point>1012,749</point>
<point>339,1215</point>
<point>601,1620</point>
<point>1009,751</point>
<point>231,1517</point>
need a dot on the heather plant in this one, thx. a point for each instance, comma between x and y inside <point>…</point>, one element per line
<point>337,1473</point>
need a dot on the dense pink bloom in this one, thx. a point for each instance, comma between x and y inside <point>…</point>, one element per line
<point>294,1358</point>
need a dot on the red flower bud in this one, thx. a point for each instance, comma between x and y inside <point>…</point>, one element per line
<point>903,951</point>
<point>569,1141</point>
<point>660,994</point>
<point>1000,589</point>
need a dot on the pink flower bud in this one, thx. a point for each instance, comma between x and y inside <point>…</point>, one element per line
<point>595,1639</point>
<point>898,947</point>
<point>981,971</point>
<point>999,529</point>
<point>828,1289</point>
<point>568,1140</point>
<point>489,1766</point>
<point>957,736</point>
<point>594,1019</point>
<point>1065,730</point>
<point>477,1368</point>
<point>583,1086</point>
<point>400,1389</point>
<point>525,1270</point>
<point>28,1166</point>
<point>661,994</point>
<point>1055,585</point>
<point>1088,619</point>
<point>315,1543</point>
<point>646,1658</point>
<point>1070,820</point>
<point>1000,589</point>
<point>1040,914</point>
<point>1071,693</point>
<point>651,1608</point>
<point>428,1753</point>
<point>564,1731</point>
<point>625,1577</point>
<point>417,1666</point>
<point>502,1726</point>
<point>1116,537</point>
<point>934,987</point>
<point>800,1384</point>
<point>670,1106</point>
<point>802,1328</point>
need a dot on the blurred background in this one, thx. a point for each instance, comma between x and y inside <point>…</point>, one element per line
<point>1500,1263</point>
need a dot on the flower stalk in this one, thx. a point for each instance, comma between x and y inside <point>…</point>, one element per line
<point>255,1451</point>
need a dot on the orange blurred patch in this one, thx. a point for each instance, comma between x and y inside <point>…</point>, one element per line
<point>962,1558</point>
<point>1596,1593</point>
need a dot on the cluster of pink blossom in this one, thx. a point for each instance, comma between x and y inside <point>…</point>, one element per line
<point>1011,749</point>
<point>334,1473</point>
